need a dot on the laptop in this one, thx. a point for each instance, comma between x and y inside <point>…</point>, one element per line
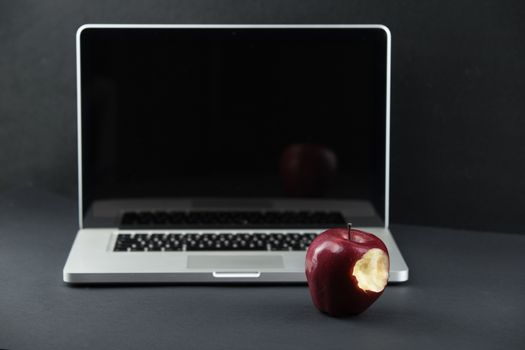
<point>217,153</point>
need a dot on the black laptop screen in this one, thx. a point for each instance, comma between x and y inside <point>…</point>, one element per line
<point>242,113</point>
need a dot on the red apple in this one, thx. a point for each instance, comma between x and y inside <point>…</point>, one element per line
<point>347,270</point>
<point>307,169</point>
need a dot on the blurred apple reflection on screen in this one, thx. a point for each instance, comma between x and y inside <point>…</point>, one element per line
<point>308,170</point>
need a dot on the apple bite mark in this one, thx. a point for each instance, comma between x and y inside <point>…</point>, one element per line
<point>371,271</point>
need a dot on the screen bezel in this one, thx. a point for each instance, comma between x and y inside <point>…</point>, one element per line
<point>227,26</point>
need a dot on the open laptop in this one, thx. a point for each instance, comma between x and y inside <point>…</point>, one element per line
<point>216,153</point>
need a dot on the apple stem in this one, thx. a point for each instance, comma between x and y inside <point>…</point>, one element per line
<point>349,230</point>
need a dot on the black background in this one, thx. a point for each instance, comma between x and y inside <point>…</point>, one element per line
<point>458,94</point>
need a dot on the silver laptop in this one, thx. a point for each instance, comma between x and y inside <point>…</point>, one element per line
<point>216,153</point>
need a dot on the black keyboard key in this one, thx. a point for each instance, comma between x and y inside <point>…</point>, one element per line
<point>122,247</point>
<point>173,237</point>
<point>152,248</point>
<point>295,236</point>
<point>291,238</point>
<point>136,248</point>
<point>172,247</point>
<point>261,245</point>
<point>277,247</point>
<point>225,237</point>
<point>243,236</point>
<point>299,246</point>
<point>208,237</point>
<point>191,245</point>
<point>261,236</point>
<point>191,237</point>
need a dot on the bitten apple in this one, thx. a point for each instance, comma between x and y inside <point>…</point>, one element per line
<point>347,270</point>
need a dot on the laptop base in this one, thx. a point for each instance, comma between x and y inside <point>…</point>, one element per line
<point>92,260</point>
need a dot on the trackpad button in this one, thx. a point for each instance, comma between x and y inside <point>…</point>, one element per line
<point>235,262</point>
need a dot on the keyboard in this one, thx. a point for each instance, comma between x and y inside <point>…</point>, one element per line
<point>231,219</point>
<point>170,242</point>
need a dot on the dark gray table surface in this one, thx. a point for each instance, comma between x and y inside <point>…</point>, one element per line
<point>466,290</point>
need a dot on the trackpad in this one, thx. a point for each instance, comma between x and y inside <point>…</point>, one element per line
<point>235,262</point>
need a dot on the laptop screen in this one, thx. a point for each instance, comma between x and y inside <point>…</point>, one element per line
<point>233,113</point>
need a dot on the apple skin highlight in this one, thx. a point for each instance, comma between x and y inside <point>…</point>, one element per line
<point>337,285</point>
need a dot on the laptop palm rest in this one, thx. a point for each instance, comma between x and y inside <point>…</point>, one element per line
<point>235,262</point>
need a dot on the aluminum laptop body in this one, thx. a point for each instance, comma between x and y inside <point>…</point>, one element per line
<point>216,153</point>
